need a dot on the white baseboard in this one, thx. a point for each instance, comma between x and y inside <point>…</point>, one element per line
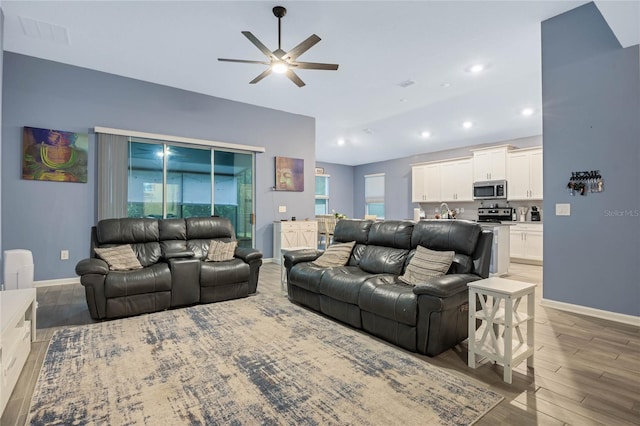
<point>592,312</point>
<point>61,281</point>
<point>270,260</point>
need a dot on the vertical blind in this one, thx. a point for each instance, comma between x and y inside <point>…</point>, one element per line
<point>112,176</point>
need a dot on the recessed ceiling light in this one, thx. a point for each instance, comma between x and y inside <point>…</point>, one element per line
<point>445,85</point>
<point>425,134</point>
<point>527,111</point>
<point>476,68</point>
<point>340,141</point>
<point>467,124</point>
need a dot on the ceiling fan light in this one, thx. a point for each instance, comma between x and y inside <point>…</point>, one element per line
<point>280,67</point>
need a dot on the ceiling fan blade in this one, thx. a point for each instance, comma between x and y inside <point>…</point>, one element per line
<point>294,77</point>
<point>302,47</point>
<point>264,49</point>
<point>261,76</point>
<point>315,66</point>
<point>243,61</point>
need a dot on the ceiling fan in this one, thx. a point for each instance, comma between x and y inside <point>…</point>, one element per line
<point>282,62</point>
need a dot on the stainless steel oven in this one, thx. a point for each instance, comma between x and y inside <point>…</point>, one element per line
<point>490,190</point>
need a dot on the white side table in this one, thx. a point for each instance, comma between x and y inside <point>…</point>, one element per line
<point>495,339</point>
<point>18,328</point>
<point>283,270</point>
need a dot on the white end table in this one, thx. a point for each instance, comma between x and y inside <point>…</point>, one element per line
<point>495,339</point>
<point>18,327</point>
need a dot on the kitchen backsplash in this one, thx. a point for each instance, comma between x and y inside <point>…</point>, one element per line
<point>471,208</point>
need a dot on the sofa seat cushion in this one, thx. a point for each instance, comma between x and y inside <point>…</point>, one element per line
<point>307,276</point>
<point>151,279</point>
<point>388,297</point>
<point>223,273</point>
<point>343,283</point>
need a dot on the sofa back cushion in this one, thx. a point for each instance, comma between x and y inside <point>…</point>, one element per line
<point>391,233</point>
<point>347,230</point>
<point>383,260</point>
<point>201,230</point>
<point>142,234</point>
<point>460,236</point>
<point>173,235</point>
<point>387,248</point>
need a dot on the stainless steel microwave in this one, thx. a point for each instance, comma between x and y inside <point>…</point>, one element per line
<point>490,190</point>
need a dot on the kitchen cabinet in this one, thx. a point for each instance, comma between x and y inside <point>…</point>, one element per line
<point>490,163</point>
<point>293,234</point>
<point>526,241</point>
<point>524,179</point>
<point>456,180</point>
<point>425,183</point>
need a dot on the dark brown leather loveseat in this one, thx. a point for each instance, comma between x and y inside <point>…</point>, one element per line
<point>367,294</point>
<point>173,273</point>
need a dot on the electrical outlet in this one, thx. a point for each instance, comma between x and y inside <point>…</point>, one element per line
<point>64,254</point>
<point>563,209</point>
<point>282,209</point>
<point>461,209</point>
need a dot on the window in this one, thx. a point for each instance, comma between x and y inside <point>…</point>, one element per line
<point>374,195</point>
<point>322,194</point>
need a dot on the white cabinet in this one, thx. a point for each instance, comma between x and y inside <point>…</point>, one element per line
<point>524,180</point>
<point>526,241</point>
<point>425,183</point>
<point>293,234</point>
<point>18,312</point>
<point>457,181</point>
<point>490,163</point>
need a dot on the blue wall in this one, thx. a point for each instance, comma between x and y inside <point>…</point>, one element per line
<point>591,116</point>
<point>340,187</point>
<point>45,217</point>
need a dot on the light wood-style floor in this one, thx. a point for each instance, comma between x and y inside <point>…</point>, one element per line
<point>587,370</point>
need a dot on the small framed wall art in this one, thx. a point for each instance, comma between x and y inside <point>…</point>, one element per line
<point>319,170</point>
<point>54,155</point>
<point>289,174</point>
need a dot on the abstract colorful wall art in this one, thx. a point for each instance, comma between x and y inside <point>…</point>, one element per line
<point>54,155</point>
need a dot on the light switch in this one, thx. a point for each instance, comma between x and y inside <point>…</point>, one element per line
<point>282,209</point>
<point>563,209</point>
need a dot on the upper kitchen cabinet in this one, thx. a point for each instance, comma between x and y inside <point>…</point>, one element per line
<point>425,183</point>
<point>524,180</point>
<point>490,163</point>
<point>457,180</point>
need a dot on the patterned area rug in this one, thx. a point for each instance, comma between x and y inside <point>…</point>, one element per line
<point>260,360</point>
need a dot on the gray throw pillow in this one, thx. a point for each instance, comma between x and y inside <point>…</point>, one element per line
<point>336,255</point>
<point>119,258</point>
<point>219,251</point>
<point>426,264</point>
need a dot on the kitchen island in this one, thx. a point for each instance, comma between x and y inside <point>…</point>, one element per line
<point>500,247</point>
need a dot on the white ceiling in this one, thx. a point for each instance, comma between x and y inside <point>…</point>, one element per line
<point>377,44</point>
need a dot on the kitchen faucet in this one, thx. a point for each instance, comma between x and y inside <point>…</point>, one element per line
<point>444,212</point>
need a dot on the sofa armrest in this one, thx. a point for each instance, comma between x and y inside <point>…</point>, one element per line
<point>248,254</point>
<point>92,266</point>
<point>298,256</point>
<point>445,285</point>
<point>177,255</point>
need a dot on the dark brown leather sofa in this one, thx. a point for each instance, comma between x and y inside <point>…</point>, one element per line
<point>174,274</point>
<point>367,294</point>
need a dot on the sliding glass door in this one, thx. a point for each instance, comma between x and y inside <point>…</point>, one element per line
<point>176,181</point>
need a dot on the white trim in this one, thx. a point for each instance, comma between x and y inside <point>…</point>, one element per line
<point>592,312</point>
<point>145,135</point>
<point>374,175</point>
<point>61,281</point>
<point>270,260</point>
